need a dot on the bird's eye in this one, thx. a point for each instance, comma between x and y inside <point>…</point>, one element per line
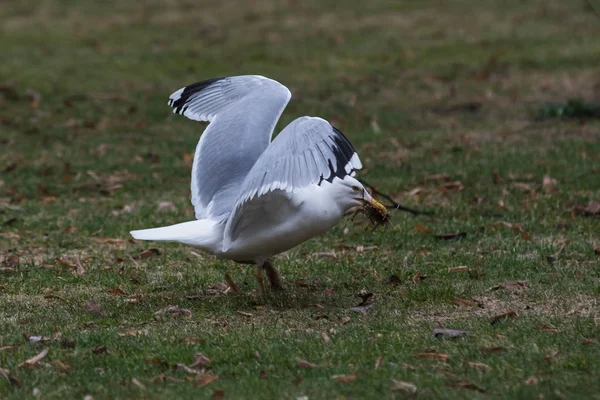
<point>356,188</point>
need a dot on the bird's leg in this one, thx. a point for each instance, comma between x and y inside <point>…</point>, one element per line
<point>232,284</point>
<point>259,279</point>
<point>273,276</point>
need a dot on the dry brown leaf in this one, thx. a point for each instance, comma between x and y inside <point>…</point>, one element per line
<point>378,362</point>
<point>95,309</point>
<point>188,159</point>
<point>202,380</point>
<point>589,341</point>
<point>79,270</point>
<point>218,394</point>
<point>450,333</point>
<point>478,365</point>
<point>325,337</point>
<point>117,290</point>
<point>62,367</point>
<point>418,277</point>
<point>100,350</point>
<point>345,319</point>
<point>173,310</point>
<point>326,254</point>
<point>9,377</point>
<point>432,355</point>
<point>148,253</point>
<point>458,269</point>
<point>511,286</point>
<point>34,360</point>
<point>468,385</point>
<point>492,349</point>
<point>11,347</point>
<point>245,314</point>
<point>547,328</point>
<point>344,378</point>
<point>137,383</point>
<point>549,184</point>
<point>522,186</point>
<point>465,302</point>
<point>166,206</point>
<point>303,364</point>
<point>455,186</point>
<point>402,386</point>
<point>507,314</point>
<point>421,228</point>
<point>110,241</point>
<point>532,380</point>
<point>451,236</point>
<point>200,361</point>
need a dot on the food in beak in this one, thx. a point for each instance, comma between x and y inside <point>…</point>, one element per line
<point>376,212</point>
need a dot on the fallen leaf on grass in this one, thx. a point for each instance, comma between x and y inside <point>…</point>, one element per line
<point>165,378</point>
<point>547,328</point>
<point>173,310</point>
<point>492,349</point>
<point>555,256</point>
<point>532,380</point>
<point>202,380</point>
<point>79,270</point>
<point>218,394</point>
<point>451,236</point>
<point>116,290</point>
<point>378,362</point>
<point>62,367</point>
<point>591,210</point>
<point>458,269</point>
<point>432,355</point>
<point>508,314</point>
<point>325,337</point>
<point>345,319</point>
<point>33,339</point>
<point>147,254</point>
<point>34,360</point>
<point>361,309</point>
<point>465,302</point>
<point>421,228</point>
<point>401,386</point>
<point>110,241</point>
<point>11,261</point>
<point>418,277</point>
<point>549,184</point>
<point>95,309</point>
<point>450,333</point>
<point>511,286</point>
<point>137,383</point>
<point>478,365</point>
<point>166,206</point>
<point>344,378</point>
<point>11,347</point>
<point>326,254</point>
<point>100,350</point>
<point>468,385</point>
<point>9,377</point>
<point>245,314</point>
<point>455,186</point>
<point>589,341</point>
<point>200,361</point>
<point>550,357</point>
<point>303,364</point>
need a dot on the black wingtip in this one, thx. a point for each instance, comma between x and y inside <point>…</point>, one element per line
<point>178,104</point>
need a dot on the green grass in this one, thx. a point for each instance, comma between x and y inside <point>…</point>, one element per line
<point>420,88</point>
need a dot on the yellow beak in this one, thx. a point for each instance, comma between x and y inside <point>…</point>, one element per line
<point>380,207</point>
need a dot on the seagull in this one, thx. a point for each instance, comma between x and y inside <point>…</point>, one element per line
<point>254,198</point>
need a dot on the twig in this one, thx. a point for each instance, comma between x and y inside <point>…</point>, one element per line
<point>395,205</point>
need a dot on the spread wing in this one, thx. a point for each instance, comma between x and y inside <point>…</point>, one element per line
<point>242,112</point>
<point>308,151</point>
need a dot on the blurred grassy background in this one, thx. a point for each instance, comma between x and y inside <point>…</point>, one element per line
<point>442,102</point>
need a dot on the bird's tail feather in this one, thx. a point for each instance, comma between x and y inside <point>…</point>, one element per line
<point>202,233</point>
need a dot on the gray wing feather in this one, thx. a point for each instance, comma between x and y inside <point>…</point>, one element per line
<point>242,111</point>
<point>308,151</point>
